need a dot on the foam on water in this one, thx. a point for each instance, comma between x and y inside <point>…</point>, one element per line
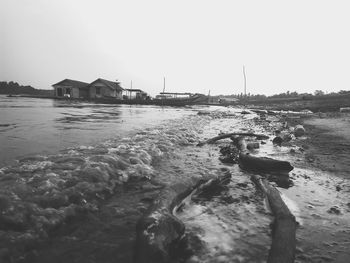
<point>53,188</point>
<point>43,192</point>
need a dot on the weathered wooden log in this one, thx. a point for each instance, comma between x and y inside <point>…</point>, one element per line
<point>283,233</point>
<point>228,135</point>
<point>263,164</point>
<point>159,232</point>
<point>260,164</point>
<point>277,169</point>
<point>284,227</point>
<point>213,186</point>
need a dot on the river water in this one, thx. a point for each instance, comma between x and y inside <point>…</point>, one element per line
<point>63,159</point>
<point>76,177</point>
<point>37,126</point>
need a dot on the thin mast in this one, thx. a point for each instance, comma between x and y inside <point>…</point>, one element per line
<point>245,82</point>
<point>163,90</point>
<point>130,89</point>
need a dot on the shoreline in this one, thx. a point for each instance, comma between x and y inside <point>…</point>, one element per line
<point>106,228</point>
<point>317,105</point>
<point>327,146</point>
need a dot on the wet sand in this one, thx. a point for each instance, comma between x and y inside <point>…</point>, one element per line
<point>329,142</point>
<point>322,188</point>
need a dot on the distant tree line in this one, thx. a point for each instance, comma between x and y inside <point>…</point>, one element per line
<point>286,95</point>
<point>13,88</point>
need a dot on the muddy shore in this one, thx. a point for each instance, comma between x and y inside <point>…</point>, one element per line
<point>329,143</point>
<point>326,152</point>
<point>319,198</point>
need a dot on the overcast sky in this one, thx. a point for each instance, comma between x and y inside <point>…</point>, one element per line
<point>198,45</point>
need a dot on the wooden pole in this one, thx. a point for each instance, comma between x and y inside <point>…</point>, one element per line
<point>163,91</point>
<point>130,90</point>
<point>245,83</point>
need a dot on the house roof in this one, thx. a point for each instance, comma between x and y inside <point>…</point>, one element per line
<point>135,90</point>
<point>109,84</point>
<point>175,93</point>
<point>71,82</point>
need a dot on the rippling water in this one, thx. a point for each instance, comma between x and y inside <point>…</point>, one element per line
<point>35,126</point>
<point>42,192</point>
<point>101,148</point>
<point>69,185</point>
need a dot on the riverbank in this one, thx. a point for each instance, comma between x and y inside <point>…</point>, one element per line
<point>174,102</point>
<point>326,151</point>
<point>326,103</point>
<point>329,143</point>
<point>315,104</point>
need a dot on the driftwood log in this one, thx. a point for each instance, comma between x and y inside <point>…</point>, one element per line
<point>260,164</point>
<point>284,227</point>
<point>212,186</point>
<point>229,135</point>
<point>159,232</point>
<point>263,164</point>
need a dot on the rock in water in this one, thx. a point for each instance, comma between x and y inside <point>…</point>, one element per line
<point>334,210</point>
<point>277,141</point>
<point>253,145</point>
<point>299,130</point>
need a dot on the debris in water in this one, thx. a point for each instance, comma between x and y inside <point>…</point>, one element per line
<point>334,210</point>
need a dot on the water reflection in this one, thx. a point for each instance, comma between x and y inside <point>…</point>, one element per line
<point>74,104</point>
<point>95,116</point>
<point>32,126</point>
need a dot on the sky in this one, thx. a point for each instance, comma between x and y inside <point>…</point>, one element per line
<point>197,45</point>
